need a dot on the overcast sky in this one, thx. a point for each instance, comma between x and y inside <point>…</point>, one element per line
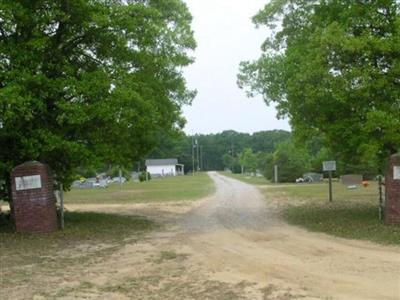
<point>225,36</point>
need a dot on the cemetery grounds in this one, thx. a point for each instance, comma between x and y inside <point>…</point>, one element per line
<point>197,238</point>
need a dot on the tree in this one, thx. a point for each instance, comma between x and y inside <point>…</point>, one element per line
<point>248,160</point>
<point>266,141</point>
<point>266,164</point>
<point>292,162</point>
<point>333,67</point>
<point>84,82</point>
<point>231,163</point>
<point>219,150</point>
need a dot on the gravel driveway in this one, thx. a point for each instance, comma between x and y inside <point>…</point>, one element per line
<point>234,205</point>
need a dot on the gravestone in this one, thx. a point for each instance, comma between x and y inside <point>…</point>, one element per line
<point>351,179</point>
<point>392,190</point>
<point>313,177</point>
<point>34,203</point>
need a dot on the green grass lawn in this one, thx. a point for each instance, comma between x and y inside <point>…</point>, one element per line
<point>180,188</point>
<point>247,179</point>
<point>352,214</point>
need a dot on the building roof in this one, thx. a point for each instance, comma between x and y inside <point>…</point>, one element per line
<point>161,162</point>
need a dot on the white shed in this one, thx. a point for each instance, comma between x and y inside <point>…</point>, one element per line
<point>164,167</point>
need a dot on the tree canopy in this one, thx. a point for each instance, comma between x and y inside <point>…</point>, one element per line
<point>220,150</point>
<point>89,81</point>
<point>333,67</point>
<point>248,160</point>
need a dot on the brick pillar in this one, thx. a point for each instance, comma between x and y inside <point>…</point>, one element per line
<point>392,190</point>
<point>33,198</point>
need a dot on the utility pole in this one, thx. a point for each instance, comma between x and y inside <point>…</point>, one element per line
<point>276,173</point>
<point>192,156</point>
<point>198,160</point>
<point>201,157</point>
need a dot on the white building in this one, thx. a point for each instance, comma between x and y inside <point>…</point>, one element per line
<point>164,167</point>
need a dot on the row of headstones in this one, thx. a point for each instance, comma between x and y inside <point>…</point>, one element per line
<point>34,203</point>
<point>348,179</point>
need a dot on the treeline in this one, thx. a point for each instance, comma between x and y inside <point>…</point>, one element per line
<point>258,152</point>
<point>212,148</point>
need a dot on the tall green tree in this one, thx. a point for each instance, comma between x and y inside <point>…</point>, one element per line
<point>231,163</point>
<point>248,160</point>
<point>266,141</point>
<point>333,67</point>
<point>89,81</point>
<point>291,160</point>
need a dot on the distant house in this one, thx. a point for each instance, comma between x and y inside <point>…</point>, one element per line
<point>164,167</point>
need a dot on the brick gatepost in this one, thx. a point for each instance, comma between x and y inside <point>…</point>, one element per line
<point>392,190</point>
<point>33,198</point>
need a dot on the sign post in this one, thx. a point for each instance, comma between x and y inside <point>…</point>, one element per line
<point>381,202</point>
<point>276,173</point>
<point>329,166</point>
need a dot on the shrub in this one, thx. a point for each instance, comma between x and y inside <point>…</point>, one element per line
<point>142,176</point>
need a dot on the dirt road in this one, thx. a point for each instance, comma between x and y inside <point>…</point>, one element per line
<point>237,237</point>
<point>232,246</point>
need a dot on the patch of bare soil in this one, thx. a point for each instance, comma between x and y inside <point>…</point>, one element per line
<point>230,246</point>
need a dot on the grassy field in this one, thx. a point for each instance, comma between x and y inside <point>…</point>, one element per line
<point>248,179</point>
<point>352,214</point>
<point>180,188</point>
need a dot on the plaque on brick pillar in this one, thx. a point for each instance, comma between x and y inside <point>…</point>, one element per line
<point>392,188</point>
<point>34,203</point>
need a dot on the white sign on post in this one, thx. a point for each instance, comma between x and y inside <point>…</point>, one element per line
<point>329,165</point>
<point>28,182</point>
<point>396,172</point>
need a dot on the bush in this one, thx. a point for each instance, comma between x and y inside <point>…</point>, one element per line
<point>292,162</point>
<point>142,176</point>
